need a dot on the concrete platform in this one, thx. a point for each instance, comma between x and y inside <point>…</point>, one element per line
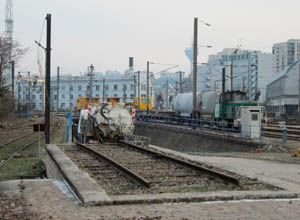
<point>59,166</point>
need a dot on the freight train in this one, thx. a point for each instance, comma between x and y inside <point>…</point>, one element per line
<point>213,106</point>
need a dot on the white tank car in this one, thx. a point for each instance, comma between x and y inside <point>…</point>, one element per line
<point>183,104</point>
<point>206,102</point>
<point>111,121</point>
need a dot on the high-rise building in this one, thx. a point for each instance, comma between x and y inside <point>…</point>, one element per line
<point>285,54</point>
<point>252,71</point>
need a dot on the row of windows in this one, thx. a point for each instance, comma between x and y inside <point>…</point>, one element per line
<point>97,95</point>
<point>80,88</point>
<point>106,87</point>
<point>235,57</point>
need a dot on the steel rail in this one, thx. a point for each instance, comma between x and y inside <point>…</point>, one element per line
<point>130,174</point>
<point>9,142</point>
<point>199,167</point>
<point>3,163</point>
<point>16,152</point>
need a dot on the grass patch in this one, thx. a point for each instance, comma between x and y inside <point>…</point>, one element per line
<point>22,168</point>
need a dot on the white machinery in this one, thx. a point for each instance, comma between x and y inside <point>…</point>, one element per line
<point>107,121</point>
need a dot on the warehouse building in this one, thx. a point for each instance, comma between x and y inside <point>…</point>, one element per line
<point>283,92</point>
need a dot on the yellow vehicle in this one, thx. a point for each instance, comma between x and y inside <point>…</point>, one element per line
<point>140,103</point>
<point>83,102</point>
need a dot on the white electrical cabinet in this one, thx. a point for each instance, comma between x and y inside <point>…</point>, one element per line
<point>251,118</point>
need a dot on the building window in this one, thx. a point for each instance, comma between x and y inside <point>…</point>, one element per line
<point>71,88</point>
<point>63,88</point>
<point>63,96</point>
<point>71,96</point>
<point>62,105</point>
<point>132,96</point>
<point>41,97</point>
<point>79,88</point>
<point>33,96</point>
<point>106,87</point>
<point>55,97</point>
<point>143,87</point>
<point>131,87</point>
<point>115,95</point>
<point>115,87</point>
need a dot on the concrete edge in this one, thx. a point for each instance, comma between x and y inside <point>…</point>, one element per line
<point>203,197</point>
<point>85,188</point>
<point>221,137</point>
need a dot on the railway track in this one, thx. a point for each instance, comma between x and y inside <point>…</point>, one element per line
<point>16,146</point>
<point>275,131</point>
<point>125,169</point>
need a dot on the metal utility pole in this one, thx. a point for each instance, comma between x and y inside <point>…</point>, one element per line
<point>223,80</point>
<point>148,87</point>
<point>13,79</point>
<point>167,95</point>
<point>223,92</point>
<point>180,81</point>
<point>195,47</point>
<point>19,90</point>
<point>134,85</point>
<point>47,80</point>
<point>139,89</point>
<point>57,90</point>
<point>231,70</point>
<point>299,90</point>
<point>124,93</point>
<point>29,92</point>
<point>103,90</point>
<point>91,74</point>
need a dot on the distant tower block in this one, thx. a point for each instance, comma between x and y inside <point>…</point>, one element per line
<point>189,54</point>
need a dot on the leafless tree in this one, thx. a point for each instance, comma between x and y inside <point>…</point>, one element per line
<point>8,51</point>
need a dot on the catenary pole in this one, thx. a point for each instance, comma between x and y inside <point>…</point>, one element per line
<point>147,87</point>
<point>57,90</point>
<point>47,80</point>
<point>195,47</point>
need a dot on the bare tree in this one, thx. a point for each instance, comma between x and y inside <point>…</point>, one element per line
<point>8,51</point>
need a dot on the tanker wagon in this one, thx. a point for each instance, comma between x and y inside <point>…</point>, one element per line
<point>106,122</point>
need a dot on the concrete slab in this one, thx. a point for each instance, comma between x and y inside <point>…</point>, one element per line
<point>86,189</point>
<point>283,175</point>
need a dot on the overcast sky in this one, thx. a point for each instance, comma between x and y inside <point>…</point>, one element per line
<point>106,32</point>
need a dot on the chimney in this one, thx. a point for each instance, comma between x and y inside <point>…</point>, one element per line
<point>131,63</point>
